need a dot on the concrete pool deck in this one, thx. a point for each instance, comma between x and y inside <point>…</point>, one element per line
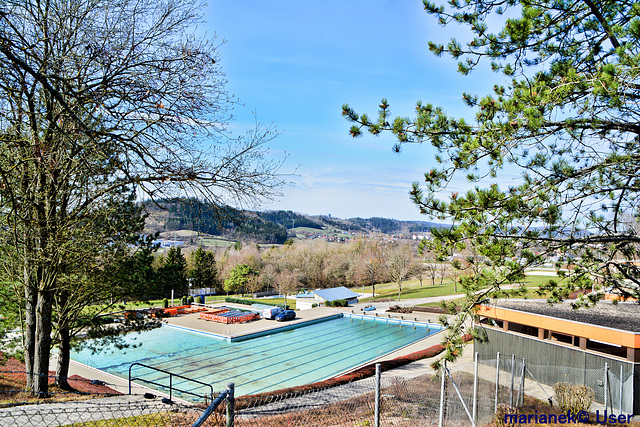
<point>259,327</point>
<point>237,331</point>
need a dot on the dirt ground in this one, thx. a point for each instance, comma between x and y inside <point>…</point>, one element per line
<point>13,381</point>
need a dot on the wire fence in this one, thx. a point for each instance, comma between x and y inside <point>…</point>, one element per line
<point>469,396</point>
<point>401,402</point>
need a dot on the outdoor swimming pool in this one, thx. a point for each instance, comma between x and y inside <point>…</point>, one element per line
<point>283,359</point>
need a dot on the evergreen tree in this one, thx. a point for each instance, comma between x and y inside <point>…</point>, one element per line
<point>567,116</point>
<point>172,274</point>
<point>204,272</point>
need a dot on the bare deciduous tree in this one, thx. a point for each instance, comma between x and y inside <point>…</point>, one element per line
<point>399,265</point>
<point>99,97</point>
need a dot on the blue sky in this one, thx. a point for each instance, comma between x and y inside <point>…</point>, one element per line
<point>296,62</point>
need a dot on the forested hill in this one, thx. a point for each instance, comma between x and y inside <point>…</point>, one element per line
<point>267,226</point>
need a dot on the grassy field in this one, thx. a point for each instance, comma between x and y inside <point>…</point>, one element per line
<point>307,230</point>
<point>412,288</point>
<point>216,242</point>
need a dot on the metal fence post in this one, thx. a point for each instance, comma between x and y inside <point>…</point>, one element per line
<point>441,416</point>
<point>377,405</point>
<point>230,404</point>
<point>520,401</point>
<point>474,411</point>
<point>513,372</point>
<point>495,406</point>
<point>621,385</point>
<point>606,384</point>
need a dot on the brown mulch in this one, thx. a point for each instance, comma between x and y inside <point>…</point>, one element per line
<point>13,381</point>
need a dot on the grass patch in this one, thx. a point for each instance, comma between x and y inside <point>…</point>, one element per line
<point>412,289</point>
<point>164,419</point>
<point>216,242</point>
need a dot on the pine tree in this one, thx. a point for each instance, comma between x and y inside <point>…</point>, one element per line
<point>567,116</point>
<point>172,274</point>
<point>204,271</point>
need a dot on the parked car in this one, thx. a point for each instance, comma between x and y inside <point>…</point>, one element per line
<point>271,313</point>
<point>286,315</point>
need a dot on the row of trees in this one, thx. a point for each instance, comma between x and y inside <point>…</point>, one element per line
<point>288,268</point>
<point>317,264</point>
<point>174,272</point>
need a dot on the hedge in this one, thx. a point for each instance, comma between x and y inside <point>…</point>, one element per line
<point>251,302</point>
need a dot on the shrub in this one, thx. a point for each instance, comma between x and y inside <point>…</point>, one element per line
<point>239,301</point>
<point>574,398</point>
<point>190,299</point>
<point>314,305</point>
<point>165,303</point>
<point>250,302</point>
<point>336,303</point>
<point>500,418</point>
<point>183,301</point>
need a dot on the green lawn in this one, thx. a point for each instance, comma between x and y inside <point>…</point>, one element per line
<point>412,288</point>
<point>213,241</point>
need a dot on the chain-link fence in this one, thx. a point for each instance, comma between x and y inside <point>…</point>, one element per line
<point>469,395</point>
<point>612,383</point>
<point>112,411</point>
<point>401,402</point>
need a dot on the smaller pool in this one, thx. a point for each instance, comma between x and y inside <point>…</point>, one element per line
<point>279,360</point>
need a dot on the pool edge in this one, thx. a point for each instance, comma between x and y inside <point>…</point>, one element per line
<point>260,333</point>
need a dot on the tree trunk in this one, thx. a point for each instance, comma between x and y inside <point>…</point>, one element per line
<point>29,333</point>
<point>64,355</point>
<point>43,342</point>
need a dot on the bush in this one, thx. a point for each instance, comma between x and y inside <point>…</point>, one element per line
<point>165,303</point>
<point>574,398</point>
<point>239,301</point>
<point>337,303</point>
<point>190,299</point>
<point>183,301</point>
<point>250,302</point>
<point>499,418</point>
<point>314,305</point>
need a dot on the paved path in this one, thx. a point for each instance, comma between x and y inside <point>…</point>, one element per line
<point>65,413</point>
<point>408,302</point>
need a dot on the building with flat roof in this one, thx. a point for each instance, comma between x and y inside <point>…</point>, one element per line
<point>561,344</point>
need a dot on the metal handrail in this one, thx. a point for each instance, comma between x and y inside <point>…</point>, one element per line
<point>227,395</point>
<point>171,375</point>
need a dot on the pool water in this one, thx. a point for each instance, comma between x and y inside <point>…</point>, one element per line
<point>283,359</point>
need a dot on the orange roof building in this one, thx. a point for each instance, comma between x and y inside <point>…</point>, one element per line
<point>561,344</point>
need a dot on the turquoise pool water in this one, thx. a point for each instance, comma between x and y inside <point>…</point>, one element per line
<point>284,359</point>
